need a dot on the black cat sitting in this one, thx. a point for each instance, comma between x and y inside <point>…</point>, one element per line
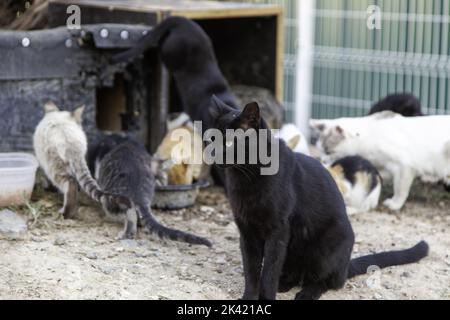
<point>294,229</point>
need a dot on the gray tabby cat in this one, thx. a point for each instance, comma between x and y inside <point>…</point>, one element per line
<point>122,165</point>
<point>60,146</point>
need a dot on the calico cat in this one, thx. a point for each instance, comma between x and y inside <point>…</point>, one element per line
<point>60,146</point>
<point>405,104</point>
<point>187,52</point>
<point>359,182</point>
<point>123,166</point>
<point>401,148</point>
<point>293,226</point>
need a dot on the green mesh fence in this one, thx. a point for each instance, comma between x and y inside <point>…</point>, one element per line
<point>355,66</point>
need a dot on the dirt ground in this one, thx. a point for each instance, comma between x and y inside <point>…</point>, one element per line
<point>80,259</point>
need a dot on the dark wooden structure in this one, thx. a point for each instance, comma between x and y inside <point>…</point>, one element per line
<point>248,40</point>
<point>69,67</point>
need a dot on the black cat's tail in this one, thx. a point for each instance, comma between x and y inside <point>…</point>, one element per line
<point>151,40</point>
<point>382,260</point>
<point>164,232</point>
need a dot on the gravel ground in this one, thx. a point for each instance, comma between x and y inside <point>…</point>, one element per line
<point>80,259</point>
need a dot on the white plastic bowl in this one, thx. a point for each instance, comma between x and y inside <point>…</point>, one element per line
<point>17,176</point>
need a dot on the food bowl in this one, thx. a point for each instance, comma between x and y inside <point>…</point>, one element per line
<point>17,176</point>
<point>174,197</point>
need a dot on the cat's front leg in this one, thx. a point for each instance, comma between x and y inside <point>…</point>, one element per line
<point>274,256</point>
<point>403,179</point>
<point>252,249</point>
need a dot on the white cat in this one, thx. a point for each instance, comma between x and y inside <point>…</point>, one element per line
<point>60,146</point>
<point>294,138</point>
<point>402,147</point>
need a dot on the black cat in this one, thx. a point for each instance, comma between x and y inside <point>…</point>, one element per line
<point>293,225</point>
<point>405,104</point>
<point>187,52</point>
<point>123,166</point>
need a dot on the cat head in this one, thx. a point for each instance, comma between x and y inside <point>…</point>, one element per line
<point>330,135</point>
<point>240,133</point>
<point>52,111</point>
<point>227,117</point>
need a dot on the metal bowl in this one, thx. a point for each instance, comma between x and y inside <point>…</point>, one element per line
<point>174,197</point>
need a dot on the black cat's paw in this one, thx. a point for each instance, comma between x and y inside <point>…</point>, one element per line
<point>301,296</point>
<point>285,287</point>
<point>264,298</point>
<point>307,295</point>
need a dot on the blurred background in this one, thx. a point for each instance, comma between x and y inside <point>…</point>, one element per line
<point>347,66</point>
<point>354,66</point>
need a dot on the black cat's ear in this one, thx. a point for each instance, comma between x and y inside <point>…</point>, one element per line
<point>250,116</point>
<point>218,107</point>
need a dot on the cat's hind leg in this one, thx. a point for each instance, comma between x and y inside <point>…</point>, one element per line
<point>130,225</point>
<point>70,190</point>
<point>403,180</point>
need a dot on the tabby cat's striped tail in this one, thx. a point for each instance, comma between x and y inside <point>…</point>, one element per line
<point>164,232</point>
<point>81,172</point>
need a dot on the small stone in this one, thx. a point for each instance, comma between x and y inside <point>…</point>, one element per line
<point>12,226</point>
<point>59,241</point>
<point>406,274</point>
<point>106,269</point>
<point>129,243</point>
<point>139,254</point>
<point>37,239</point>
<point>221,260</point>
<point>388,286</point>
<point>207,209</point>
<point>91,255</point>
<point>377,296</point>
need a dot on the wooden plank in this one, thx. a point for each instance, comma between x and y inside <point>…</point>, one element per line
<point>166,5</point>
<point>279,71</point>
<point>257,11</point>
